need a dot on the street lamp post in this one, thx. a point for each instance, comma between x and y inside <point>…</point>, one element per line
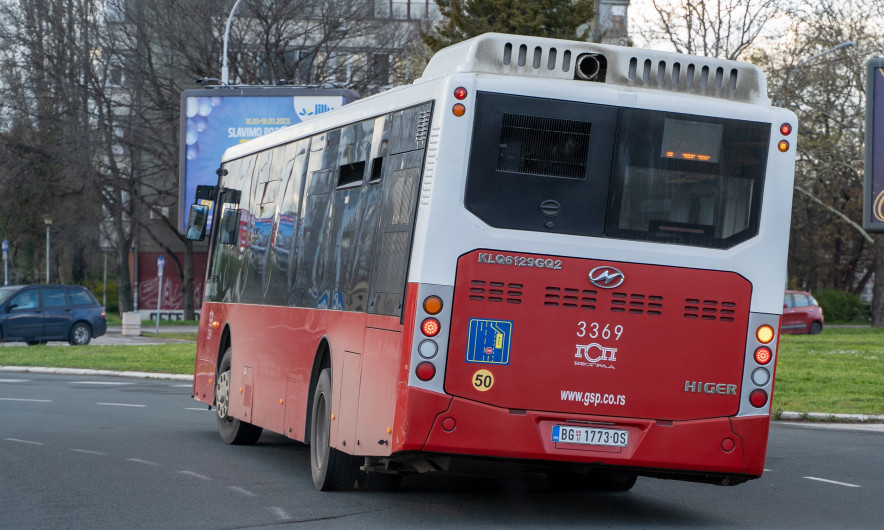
<point>47,220</point>
<point>225,72</point>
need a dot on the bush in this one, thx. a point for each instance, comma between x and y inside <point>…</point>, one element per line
<point>839,306</point>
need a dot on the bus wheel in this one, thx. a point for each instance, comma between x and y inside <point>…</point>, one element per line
<point>331,469</point>
<point>369,481</point>
<point>232,430</point>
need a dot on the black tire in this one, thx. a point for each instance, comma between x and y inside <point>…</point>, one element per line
<point>368,481</point>
<point>232,430</point>
<point>332,470</point>
<point>80,334</point>
<point>815,328</point>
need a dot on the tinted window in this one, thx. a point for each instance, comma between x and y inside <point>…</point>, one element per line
<point>686,179</point>
<point>54,297</point>
<point>27,300</point>
<point>603,171</point>
<point>81,297</point>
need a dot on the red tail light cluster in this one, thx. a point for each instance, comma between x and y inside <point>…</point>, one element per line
<point>765,334</point>
<point>430,327</point>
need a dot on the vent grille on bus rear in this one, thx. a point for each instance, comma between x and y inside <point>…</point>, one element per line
<point>636,303</point>
<point>547,147</point>
<point>482,291</point>
<point>569,297</point>
<point>695,308</point>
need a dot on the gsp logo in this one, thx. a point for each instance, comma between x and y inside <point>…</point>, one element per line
<point>606,277</point>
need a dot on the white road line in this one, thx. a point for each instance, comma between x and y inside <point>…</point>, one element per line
<point>106,383</point>
<point>139,461</point>
<point>27,400</point>
<point>23,441</point>
<point>203,409</point>
<point>242,490</point>
<point>833,482</point>
<point>88,452</point>
<point>15,380</point>
<point>122,405</point>
<point>182,386</point>
<point>282,514</point>
<point>196,475</point>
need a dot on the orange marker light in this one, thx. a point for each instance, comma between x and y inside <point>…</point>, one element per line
<point>215,324</point>
<point>783,146</point>
<point>432,305</point>
<point>458,110</point>
<point>764,334</point>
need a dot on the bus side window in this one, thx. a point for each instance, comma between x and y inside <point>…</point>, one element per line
<point>228,233</point>
<point>377,167</point>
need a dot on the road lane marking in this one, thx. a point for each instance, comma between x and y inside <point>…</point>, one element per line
<point>27,400</point>
<point>23,441</point>
<point>88,452</point>
<point>15,380</point>
<point>242,490</point>
<point>833,482</point>
<point>140,461</point>
<point>204,409</point>
<point>196,475</point>
<point>182,386</point>
<point>122,405</point>
<point>282,514</point>
<point>106,383</point>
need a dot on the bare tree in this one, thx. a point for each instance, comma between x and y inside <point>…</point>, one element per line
<point>711,28</point>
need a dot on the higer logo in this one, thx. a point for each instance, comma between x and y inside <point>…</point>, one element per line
<point>700,387</point>
<point>606,277</point>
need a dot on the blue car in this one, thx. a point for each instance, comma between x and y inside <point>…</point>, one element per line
<point>37,314</point>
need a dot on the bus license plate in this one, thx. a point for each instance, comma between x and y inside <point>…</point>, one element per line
<point>590,436</point>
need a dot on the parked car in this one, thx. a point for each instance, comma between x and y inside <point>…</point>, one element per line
<point>801,313</point>
<point>37,314</point>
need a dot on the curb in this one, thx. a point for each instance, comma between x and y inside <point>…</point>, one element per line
<point>831,417</point>
<point>84,371</point>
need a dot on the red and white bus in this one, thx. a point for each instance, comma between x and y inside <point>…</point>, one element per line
<point>559,254</point>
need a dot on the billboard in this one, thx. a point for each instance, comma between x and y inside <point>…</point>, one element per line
<point>873,193</point>
<point>213,119</point>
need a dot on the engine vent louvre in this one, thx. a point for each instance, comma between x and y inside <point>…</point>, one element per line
<point>695,308</point>
<point>482,291</point>
<point>636,303</point>
<point>570,298</point>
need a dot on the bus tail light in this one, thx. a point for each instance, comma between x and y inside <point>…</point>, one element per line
<point>758,398</point>
<point>763,355</point>
<point>786,129</point>
<point>425,371</point>
<point>430,327</point>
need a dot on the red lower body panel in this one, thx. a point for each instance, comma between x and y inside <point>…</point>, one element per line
<point>718,445</point>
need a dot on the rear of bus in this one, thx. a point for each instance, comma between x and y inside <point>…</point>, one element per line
<point>598,263</point>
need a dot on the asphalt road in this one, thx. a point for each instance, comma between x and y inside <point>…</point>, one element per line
<point>93,452</point>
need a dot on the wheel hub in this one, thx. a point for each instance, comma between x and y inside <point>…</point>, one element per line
<point>222,393</point>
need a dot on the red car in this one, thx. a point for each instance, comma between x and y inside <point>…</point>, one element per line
<point>801,313</point>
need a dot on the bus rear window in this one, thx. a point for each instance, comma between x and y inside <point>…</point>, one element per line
<point>686,180</point>
<point>603,171</point>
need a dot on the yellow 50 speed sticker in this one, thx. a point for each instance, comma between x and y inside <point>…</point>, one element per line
<point>483,380</point>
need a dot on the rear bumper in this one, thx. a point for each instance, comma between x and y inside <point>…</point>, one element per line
<point>717,446</point>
